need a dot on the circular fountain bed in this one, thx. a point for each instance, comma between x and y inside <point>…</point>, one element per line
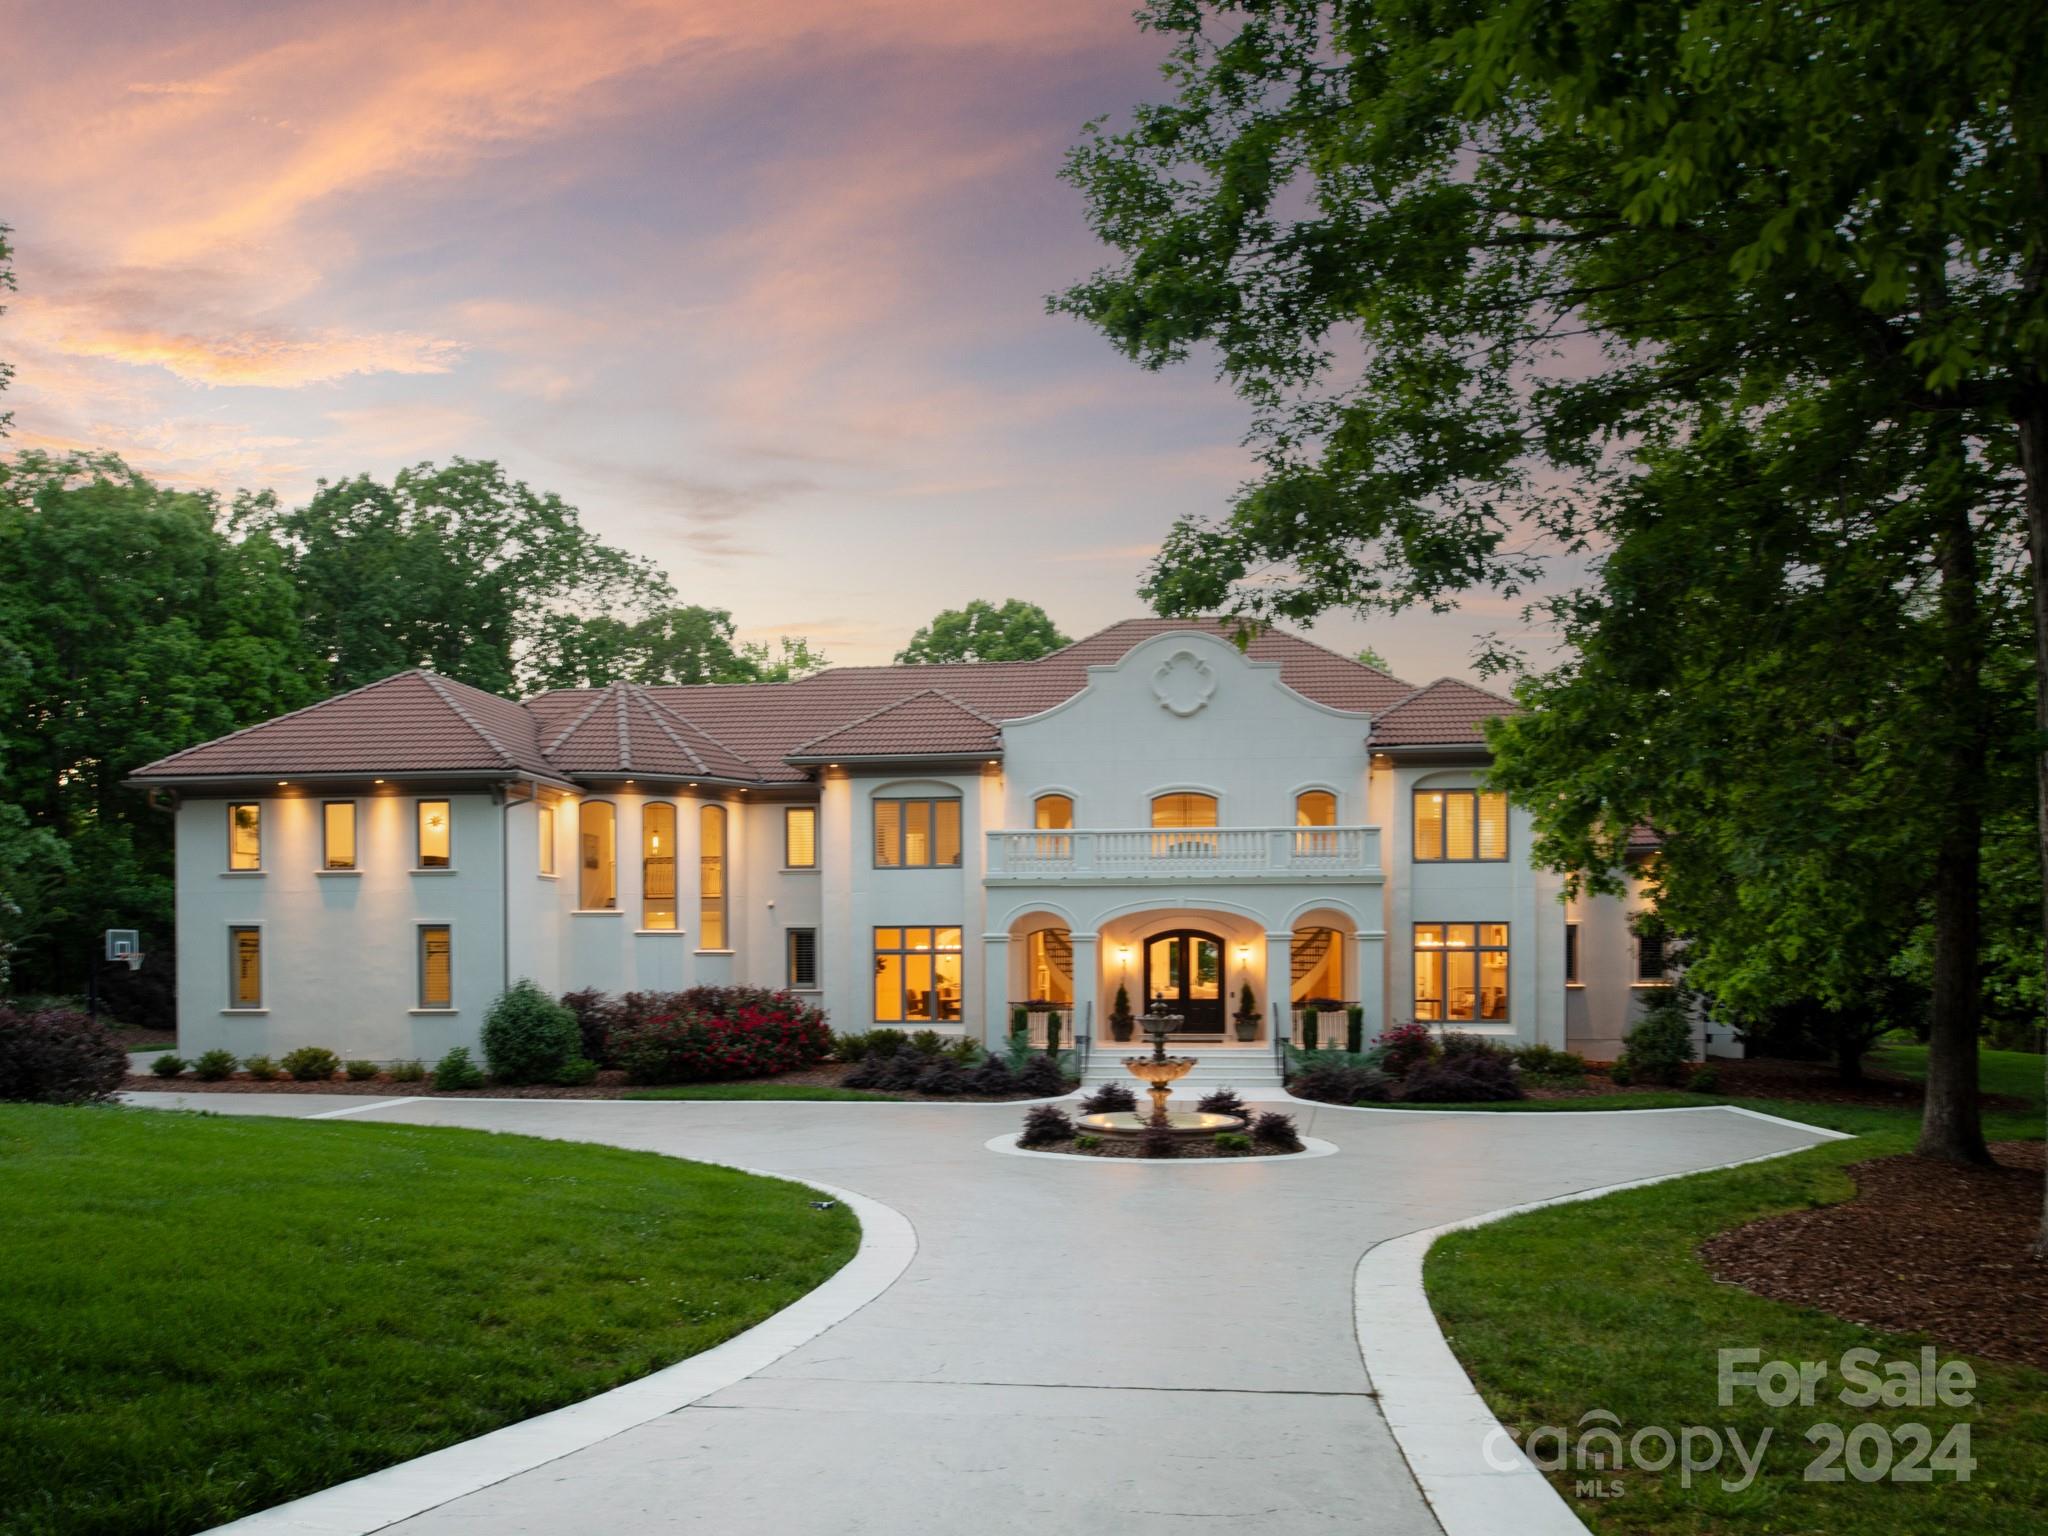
<point>1129,1125</point>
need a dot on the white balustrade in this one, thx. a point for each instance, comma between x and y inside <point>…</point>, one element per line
<point>1168,853</point>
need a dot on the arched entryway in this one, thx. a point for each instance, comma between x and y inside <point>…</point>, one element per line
<point>1184,975</point>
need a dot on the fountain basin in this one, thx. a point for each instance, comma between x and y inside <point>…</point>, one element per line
<point>1128,1124</point>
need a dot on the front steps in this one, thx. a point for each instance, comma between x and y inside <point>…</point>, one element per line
<point>1249,1071</point>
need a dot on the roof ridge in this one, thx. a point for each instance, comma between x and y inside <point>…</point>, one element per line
<point>597,698</point>
<point>617,689</point>
<point>1459,682</point>
<point>956,702</point>
<point>638,692</point>
<point>875,714</point>
<point>291,714</point>
<point>462,712</point>
<point>689,724</point>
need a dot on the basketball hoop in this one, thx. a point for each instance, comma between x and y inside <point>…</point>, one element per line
<point>125,944</point>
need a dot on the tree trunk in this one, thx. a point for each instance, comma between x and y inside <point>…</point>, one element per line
<point>1951,1127</point>
<point>1849,1048</point>
<point>2033,425</point>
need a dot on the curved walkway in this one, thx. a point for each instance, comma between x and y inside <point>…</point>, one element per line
<point>1118,1345</point>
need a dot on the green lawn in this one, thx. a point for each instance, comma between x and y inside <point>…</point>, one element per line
<point>203,1316</point>
<point>760,1091</point>
<point>2018,1073</point>
<point>1604,1305</point>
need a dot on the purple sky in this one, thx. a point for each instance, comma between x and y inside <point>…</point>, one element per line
<point>759,286</point>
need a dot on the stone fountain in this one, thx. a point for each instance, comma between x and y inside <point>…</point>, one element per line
<point>1159,1072</point>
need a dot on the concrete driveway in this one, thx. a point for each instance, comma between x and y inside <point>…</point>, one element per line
<point>1114,1346</point>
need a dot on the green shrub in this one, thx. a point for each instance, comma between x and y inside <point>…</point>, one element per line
<point>1619,1074</point>
<point>1548,1061</point>
<point>528,1036</point>
<point>457,1071</point>
<point>168,1065</point>
<point>359,1071</point>
<point>576,1072</point>
<point>1658,1050</point>
<point>311,1064</point>
<point>1233,1141</point>
<point>214,1066</point>
<point>1311,1029</point>
<point>408,1071</point>
<point>262,1068</point>
<point>1354,1029</point>
<point>1704,1080</point>
<point>1052,1033</point>
<point>1087,1143</point>
<point>928,1042</point>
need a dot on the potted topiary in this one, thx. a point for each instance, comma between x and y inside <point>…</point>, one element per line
<point>1122,1023</point>
<point>1247,1016</point>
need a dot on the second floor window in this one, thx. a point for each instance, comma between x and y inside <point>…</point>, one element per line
<point>1460,824</point>
<point>800,837</point>
<point>917,834</point>
<point>658,865</point>
<point>547,839</point>
<point>437,835</point>
<point>245,967</point>
<point>338,834</point>
<point>437,966</point>
<point>245,836</point>
<point>1053,813</point>
<point>1184,810</point>
<point>1315,808</point>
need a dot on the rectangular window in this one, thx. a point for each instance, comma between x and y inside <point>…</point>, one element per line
<point>1461,973</point>
<point>917,975</point>
<point>437,972</point>
<point>245,836</point>
<point>1571,952</point>
<point>917,834</point>
<point>1460,825</point>
<point>800,837</point>
<point>338,830</point>
<point>1650,960</point>
<point>803,957</point>
<point>245,967</point>
<point>547,839</point>
<point>657,865</point>
<point>711,825</point>
<point>437,835</point>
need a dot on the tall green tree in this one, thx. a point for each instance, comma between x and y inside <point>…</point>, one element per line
<point>131,626</point>
<point>1469,263</point>
<point>458,568</point>
<point>678,645</point>
<point>984,631</point>
<point>6,286</point>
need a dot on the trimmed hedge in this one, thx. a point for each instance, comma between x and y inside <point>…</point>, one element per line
<point>528,1037</point>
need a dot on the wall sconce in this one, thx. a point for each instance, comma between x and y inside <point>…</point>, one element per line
<point>1244,954</point>
<point>1123,954</point>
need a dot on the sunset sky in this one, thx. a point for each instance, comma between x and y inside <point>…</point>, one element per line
<point>759,286</point>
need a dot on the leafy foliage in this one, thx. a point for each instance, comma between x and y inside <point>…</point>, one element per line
<point>706,1034</point>
<point>1406,1047</point>
<point>1660,1048</point>
<point>214,1066</point>
<point>1277,1131</point>
<point>1110,1099</point>
<point>528,1037</point>
<point>57,1057</point>
<point>1334,1084</point>
<point>457,1072</point>
<point>982,631</point>
<point>1045,1124</point>
<point>1462,1079</point>
<point>310,1064</point>
<point>262,1068</point>
<point>168,1064</point>
<point>359,1071</point>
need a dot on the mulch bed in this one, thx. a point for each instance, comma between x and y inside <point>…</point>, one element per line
<point>1925,1247</point>
<point>1187,1151</point>
<point>142,1039</point>
<point>609,1085</point>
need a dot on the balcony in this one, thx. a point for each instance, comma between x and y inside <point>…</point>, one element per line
<point>1185,853</point>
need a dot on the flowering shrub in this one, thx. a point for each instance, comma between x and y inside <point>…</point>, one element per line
<point>57,1057</point>
<point>1406,1046</point>
<point>709,1033</point>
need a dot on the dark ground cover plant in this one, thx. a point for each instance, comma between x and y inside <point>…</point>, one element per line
<point>1110,1099</point>
<point>214,1066</point>
<point>483,1279</point>
<point>57,1057</point>
<point>1042,1076</point>
<point>1334,1083</point>
<point>310,1064</point>
<point>1476,1077</point>
<point>1158,1141</point>
<point>992,1075</point>
<point>169,1064</point>
<point>529,1037</point>
<point>457,1072</point>
<point>1405,1047</point>
<point>1045,1124</point>
<point>597,1015</point>
<point>1276,1130</point>
<point>1223,1101</point>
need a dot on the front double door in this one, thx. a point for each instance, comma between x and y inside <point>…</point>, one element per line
<point>1184,975</point>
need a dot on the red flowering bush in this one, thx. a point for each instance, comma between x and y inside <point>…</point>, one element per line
<point>1405,1047</point>
<point>709,1033</point>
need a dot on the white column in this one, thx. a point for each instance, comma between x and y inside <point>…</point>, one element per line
<point>1087,986</point>
<point>1280,986</point>
<point>995,989</point>
<point>1372,983</point>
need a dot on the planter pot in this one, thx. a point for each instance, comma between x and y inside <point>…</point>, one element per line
<point>1120,1030</point>
<point>1247,1029</point>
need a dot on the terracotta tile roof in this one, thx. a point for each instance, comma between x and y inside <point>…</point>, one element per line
<point>410,722</point>
<point>929,723</point>
<point>1446,713</point>
<point>415,722</point>
<point>1643,836</point>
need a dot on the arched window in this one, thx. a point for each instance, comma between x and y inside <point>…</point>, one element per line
<point>658,865</point>
<point>597,843</point>
<point>1184,810</point>
<point>1318,964</point>
<point>711,877</point>
<point>1049,966</point>
<point>1315,808</point>
<point>1053,813</point>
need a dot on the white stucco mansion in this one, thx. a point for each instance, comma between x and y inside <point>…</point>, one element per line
<point>918,846</point>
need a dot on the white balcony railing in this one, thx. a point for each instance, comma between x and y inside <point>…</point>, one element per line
<point>1186,853</point>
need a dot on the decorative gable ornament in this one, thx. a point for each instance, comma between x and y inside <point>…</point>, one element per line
<point>1183,683</point>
